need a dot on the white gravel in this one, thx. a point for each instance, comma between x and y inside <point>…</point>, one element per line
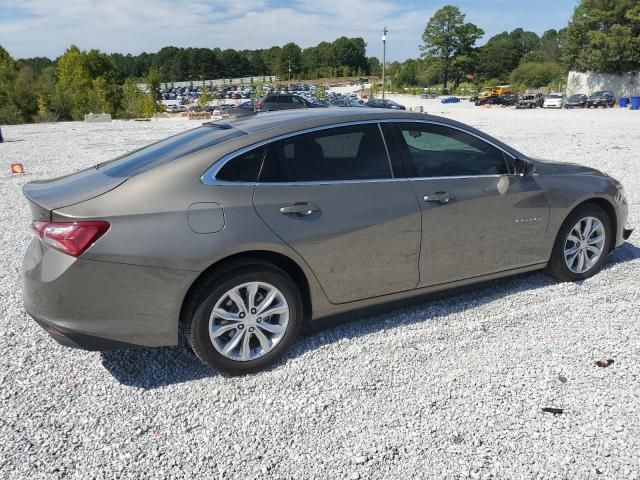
<point>452,387</point>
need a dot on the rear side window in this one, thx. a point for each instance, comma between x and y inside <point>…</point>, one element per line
<point>243,168</point>
<point>342,153</point>
<point>284,99</point>
<point>167,150</point>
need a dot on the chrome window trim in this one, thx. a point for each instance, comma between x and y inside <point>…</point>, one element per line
<point>459,177</point>
<point>209,176</point>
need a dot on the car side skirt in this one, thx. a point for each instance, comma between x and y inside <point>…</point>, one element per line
<point>329,310</point>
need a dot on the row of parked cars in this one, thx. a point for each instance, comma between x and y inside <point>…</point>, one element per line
<point>289,101</point>
<point>603,98</point>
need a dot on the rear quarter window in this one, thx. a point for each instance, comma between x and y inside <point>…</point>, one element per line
<point>167,150</point>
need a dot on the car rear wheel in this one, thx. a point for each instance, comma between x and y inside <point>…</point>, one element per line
<point>582,244</point>
<point>244,319</point>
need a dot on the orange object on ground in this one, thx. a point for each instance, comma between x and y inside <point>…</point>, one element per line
<point>17,168</point>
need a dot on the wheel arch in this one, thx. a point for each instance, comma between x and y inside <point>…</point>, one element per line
<point>280,260</point>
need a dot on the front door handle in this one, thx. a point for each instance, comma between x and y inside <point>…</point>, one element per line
<point>440,197</point>
<point>301,209</point>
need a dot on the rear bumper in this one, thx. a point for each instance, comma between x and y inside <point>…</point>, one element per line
<point>72,339</point>
<point>102,305</point>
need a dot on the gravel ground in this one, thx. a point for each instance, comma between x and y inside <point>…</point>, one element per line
<point>449,387</point>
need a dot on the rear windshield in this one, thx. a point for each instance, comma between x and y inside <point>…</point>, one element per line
<point>167,150</point>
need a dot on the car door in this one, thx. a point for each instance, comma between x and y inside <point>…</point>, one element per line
<point>298,102</point>
<point>330,195</point>
<point>284,102</point>
<point>477,217</point>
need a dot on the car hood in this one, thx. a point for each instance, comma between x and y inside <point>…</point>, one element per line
<point>547,167</point>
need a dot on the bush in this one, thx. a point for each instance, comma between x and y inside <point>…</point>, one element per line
<point>536,75</point>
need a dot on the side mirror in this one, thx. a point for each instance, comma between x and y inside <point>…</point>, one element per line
<point>523,167</point>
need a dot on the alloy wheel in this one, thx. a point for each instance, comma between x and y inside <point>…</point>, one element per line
<point>248,321</point>
<point>584,245</point>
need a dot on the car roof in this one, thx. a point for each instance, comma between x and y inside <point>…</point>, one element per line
<point>265,125</point>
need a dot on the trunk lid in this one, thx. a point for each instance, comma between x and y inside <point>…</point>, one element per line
<point>47,195</point>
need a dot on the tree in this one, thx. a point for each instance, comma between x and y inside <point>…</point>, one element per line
<point>447,37</point>
<point>153,83</point>
<point>498,57</point>
<point>551,45</point>
<point>604,36</point>
<point>7,76</point>
<point>74,82</point>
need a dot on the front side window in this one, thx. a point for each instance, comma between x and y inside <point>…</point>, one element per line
<point>284,99</point>
<point>438,151</point>
<point>342,153</point>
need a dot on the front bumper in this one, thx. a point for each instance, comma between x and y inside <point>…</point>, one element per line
<point>95,305</point>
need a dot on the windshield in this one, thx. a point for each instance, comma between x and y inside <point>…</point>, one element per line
<point>167,150</point>
<point>555,95</point>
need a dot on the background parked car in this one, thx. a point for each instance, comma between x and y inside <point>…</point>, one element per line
<point>282,101</point>
<point>244,109</point>
<point>494,100</point>
<point>576,101</point>
<point>604,98</point>
<point>509,99</point>
<point>530,100</point>
<point>379,103</point>
<point>555,100</point>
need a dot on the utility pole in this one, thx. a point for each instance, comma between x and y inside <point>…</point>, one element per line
<point>384,56</point>
<point>289,73</point>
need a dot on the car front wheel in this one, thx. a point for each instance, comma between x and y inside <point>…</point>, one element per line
<point>244,319</point>
<point>582,244</point>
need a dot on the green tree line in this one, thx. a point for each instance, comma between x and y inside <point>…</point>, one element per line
<point>602,36</point>
<point>79,82</point>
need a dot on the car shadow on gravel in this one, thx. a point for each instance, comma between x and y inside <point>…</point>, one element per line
<point>157,367</point>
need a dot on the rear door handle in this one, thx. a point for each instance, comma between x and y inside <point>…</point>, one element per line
<point>301,209</point>
<point>440,197</point>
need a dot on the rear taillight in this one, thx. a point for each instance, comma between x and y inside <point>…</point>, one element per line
<point>72,238</point>
<point>259,106</point>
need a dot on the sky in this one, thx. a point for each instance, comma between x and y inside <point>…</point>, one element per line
<point>30,28</point>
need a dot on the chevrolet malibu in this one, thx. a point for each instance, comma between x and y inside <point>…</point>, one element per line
<point>237,234</point>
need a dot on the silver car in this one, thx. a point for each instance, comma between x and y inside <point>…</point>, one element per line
<point>237,234</point>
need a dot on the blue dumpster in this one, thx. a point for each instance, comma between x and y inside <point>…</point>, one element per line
<point>635,103</point>
<point>624,101</point>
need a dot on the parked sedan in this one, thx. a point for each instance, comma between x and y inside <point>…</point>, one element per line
<point>605,99</point>
<point>299,215</point>
<point>576,101</point>
<point>379,103</point>
<point>554,100</point>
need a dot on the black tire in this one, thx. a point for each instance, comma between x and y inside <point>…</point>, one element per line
<point>557,266</point>
<point>201,302</point>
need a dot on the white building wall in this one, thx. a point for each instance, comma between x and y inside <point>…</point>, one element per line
<point>627,85</point>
